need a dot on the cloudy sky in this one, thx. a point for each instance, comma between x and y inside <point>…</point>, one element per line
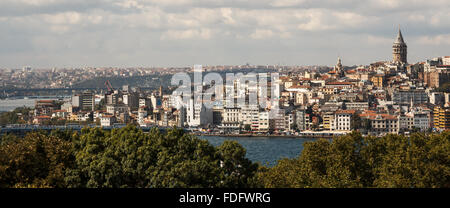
<point>77,33</point>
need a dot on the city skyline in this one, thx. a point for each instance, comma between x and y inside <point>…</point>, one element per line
<point>224,94</point>
<point>151,33</point>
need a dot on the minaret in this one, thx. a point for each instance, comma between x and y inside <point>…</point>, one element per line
<point>400,49</point>
<point>411,105</point>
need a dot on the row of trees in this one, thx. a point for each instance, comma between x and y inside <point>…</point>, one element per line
<point>392,161</point>
<point>122,158</point>
<point>128,157</point>
<point>14,118</point>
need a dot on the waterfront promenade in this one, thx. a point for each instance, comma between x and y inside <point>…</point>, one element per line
<point>23,129</point>
<point>305,134</point>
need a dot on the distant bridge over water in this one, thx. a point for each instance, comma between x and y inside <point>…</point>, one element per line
<point>58,89</point>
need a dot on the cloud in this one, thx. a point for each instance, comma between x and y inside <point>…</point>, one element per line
<point>287,3</point>
<point>63,18</point>
<point>437,40</point>
<point>54,28</point>
<point>187,34</point>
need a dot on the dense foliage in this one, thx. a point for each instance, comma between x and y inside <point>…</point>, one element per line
<point>357,161</point>
<point>129,157</point>
<point>14,118</point>
<point>34,161</point>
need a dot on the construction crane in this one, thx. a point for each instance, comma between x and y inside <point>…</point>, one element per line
<point>109,86</point>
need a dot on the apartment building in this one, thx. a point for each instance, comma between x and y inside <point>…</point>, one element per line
<point>343,120</point>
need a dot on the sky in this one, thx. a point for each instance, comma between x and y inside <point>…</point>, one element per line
<point>174,33</point>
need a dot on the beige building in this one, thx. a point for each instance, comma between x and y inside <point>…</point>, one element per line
<point>328,121</point>
<point>301,98</point>
<point>378,80</point>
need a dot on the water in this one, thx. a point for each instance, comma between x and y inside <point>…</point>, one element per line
<point>10,105</point>
<point>266,150</point>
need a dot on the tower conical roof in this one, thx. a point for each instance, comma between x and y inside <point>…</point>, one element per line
<point>399,37</point>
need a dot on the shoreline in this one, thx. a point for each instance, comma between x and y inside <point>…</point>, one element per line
<point>267,136</point>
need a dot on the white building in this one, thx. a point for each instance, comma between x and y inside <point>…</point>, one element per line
<point>383,124</point>
<point>142,115</point>
<point>290,119</point>
<point>343,120</point>
<point>360,106</point>
<point>264,122</point>
<point>406,122</point>
<point>60,114</point>
<point>277,119</point>
<point>422,120</point>
<point>249,115</point>
<point>436,98</point>
<point>144,102</point>
<point>198,115</point>
<point>231,119</point>
<point>116,109</point>
<point>107,120</point>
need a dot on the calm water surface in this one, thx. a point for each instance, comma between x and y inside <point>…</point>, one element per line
<point>264,149</point>
<point>10,105</point>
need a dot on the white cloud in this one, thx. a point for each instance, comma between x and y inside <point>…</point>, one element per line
<point>63,18</point>
<point>187,34</point>
<point>128,4</point>
<point>33,2</point>
<point>123,25</point>
<point>320,20</point>
<point>287,3</point>
<point>440,19</point>
<point>437,40</point>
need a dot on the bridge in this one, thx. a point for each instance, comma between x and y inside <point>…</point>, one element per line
<point>47,89</point>
<point>61,89</point>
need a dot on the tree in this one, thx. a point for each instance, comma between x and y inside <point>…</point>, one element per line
<point>247,127</point>
<point>127,157</point>
<point>35,161</point>
<point>355,161</point>
<point>356,122</point>
<point>8,118</point>
<point>236,170</point>
<point>130,158</point>
<point>421,161</point>
<point>13,118</point>
<point>366,124</point>
<point>8,138</point>
<point>101,105</point>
